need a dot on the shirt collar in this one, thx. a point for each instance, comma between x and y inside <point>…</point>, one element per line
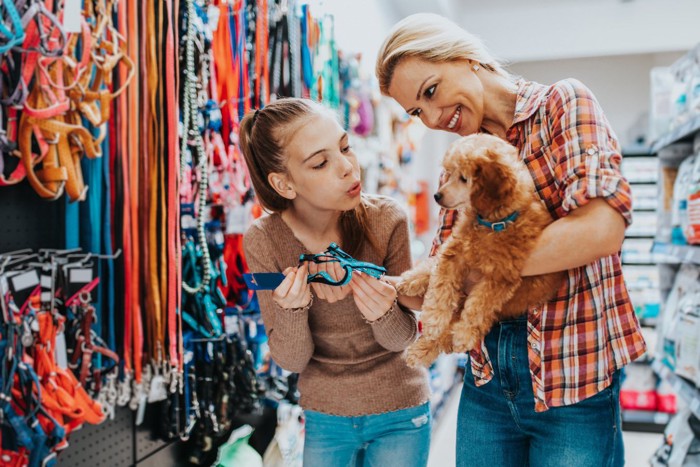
<point>529,99</point>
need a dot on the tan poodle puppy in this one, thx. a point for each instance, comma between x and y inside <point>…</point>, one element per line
<point>501,217</point>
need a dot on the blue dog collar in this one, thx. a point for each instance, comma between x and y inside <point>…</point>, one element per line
<point>499,226</point>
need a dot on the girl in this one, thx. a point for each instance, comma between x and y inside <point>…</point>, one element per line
<point>363,404</point>
<point>545,388</point>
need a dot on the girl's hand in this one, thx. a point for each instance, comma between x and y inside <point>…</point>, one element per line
<point>373,297</point>
<point>329,293</point>
<point>294,291</point>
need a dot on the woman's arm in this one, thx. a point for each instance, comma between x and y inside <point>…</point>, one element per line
<point>596,201</point>
<point>586,234</point>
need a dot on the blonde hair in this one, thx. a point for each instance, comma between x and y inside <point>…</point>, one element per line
<point>433,38</point>
<point>263,136</point>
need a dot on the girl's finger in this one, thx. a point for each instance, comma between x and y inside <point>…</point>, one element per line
<point>299,281</point>
<point>283,289</point>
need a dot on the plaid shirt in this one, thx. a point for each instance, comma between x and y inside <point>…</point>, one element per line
<point>578,339</point>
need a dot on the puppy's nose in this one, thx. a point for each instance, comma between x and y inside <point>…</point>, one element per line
<point>438,196</point>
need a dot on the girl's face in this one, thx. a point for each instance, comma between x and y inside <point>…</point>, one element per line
<point>322,170</point>
<point>446,96</point>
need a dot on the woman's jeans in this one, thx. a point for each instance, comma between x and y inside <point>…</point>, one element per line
<point>400,438</point>
<point>497,424</point>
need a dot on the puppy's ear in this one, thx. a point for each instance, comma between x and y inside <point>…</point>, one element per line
<point>493,180</point>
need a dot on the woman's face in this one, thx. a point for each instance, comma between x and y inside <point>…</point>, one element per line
<point>322,169</point>
<point>446,96</point>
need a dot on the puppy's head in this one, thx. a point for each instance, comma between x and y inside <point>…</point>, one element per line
<point>481,172</point>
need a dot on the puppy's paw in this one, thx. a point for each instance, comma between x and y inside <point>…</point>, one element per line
<point>421,353</point>
<point>413,285</point>
<point>464,338</point>
<point>434,324</point>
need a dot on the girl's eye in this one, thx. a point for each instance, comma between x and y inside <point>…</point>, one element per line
<point>346,149</point>
<point>463,179</point>
<point>416,113</point>
<point>430,92</point>
<point>321,165</point>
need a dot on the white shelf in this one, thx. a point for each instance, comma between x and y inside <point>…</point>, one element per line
<point>686,130</point>
<point>670,253</point>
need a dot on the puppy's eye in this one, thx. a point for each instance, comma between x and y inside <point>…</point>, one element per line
<point>463,179</point>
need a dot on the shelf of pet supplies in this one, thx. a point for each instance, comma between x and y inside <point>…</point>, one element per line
<point>683,389</point>
<point>641,181</point>
<point>636,150</point>
<point>643,210</point>
<point>640,234</point>
<point>670,253</point>
<point>644,421</point>
<point>682,132</point>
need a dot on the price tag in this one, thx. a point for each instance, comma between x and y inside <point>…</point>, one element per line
<point>27,280</point>
<point>72,15</point>
<point>80,275</point>
<point>60,351</point>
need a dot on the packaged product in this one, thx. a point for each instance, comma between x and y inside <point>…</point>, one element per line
<point>680,200</point>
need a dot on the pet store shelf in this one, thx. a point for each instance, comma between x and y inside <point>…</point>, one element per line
<point>682,132</point>
<point>636,150</point>
<point>644,421</point>
<point>642,181</point>
<point>670,253</point>
<point>684,389</point>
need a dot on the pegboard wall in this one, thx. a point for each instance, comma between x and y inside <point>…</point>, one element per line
<point>27,221</point>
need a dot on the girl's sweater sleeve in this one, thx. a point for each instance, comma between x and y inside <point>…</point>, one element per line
<point>289,336</point>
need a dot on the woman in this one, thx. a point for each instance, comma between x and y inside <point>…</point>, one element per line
<point>545,388</point>
<point>363,404</point>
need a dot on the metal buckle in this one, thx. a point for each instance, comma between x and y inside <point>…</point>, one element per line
<point>498,226</point>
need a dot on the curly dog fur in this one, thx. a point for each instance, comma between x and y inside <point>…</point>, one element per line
<point>483,176</point>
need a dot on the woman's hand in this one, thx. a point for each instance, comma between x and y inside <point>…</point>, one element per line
<point>329,293</point>
<point>294,291</point>
<point>373,297</point>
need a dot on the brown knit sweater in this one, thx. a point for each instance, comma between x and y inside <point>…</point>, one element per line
<point>347,366</point>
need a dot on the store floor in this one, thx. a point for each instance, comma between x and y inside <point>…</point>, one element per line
<point>638,446</point>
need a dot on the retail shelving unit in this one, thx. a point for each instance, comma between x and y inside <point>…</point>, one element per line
<point>667,255</point>
<point>640,168</point>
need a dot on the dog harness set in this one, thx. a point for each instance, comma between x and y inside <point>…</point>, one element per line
<point>578,339</point>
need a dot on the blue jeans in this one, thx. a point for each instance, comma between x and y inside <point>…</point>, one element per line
<point>393,438</point>
<point>497,424</point>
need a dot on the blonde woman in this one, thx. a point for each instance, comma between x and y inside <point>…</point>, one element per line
<point>544,389</point>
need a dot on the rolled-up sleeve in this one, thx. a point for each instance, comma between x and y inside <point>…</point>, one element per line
<point>585,151</point>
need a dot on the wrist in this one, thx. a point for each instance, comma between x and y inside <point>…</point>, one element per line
<point>299,309</point>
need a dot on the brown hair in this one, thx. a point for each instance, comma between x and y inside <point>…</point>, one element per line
<point>263,136</point>
<point>433,38</point>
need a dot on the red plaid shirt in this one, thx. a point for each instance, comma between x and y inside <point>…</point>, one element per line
<point>577,340</point>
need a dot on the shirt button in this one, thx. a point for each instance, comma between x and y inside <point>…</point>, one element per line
<point>535,346</point>
<point>535,311</point>
<point>592,150</point>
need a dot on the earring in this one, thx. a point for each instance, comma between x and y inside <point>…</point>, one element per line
<point>475,67</point>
